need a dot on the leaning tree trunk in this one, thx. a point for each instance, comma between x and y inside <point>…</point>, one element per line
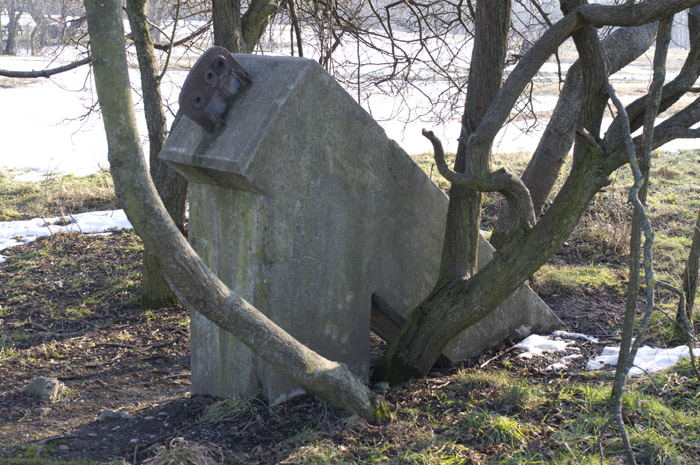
<point>194,283</point>
<point>171,186</point>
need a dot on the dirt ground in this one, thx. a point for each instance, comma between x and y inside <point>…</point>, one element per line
<point>68,309</point>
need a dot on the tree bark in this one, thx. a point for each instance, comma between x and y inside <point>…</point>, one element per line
<point>543,169</point>
<point>171,186</point>
<point>240,33</point>
<point>12,27</point>
<point>194,283</point>
<point>460,247</point>
<point>690,276</point>
<point>226,15</point>
<point>255,21</point>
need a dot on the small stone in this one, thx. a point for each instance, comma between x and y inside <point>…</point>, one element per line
<point>63,447</point>
<point>45,388</point>
<point>41,411</point>
<point>149,418</point>
<point>93,435</point>
<point>107,414</point>
<point>134,441</point>
<point>382,387</point>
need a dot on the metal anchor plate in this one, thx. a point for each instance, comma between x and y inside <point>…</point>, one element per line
<point>210,87</point>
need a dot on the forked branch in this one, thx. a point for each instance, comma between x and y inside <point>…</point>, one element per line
<point>502,181</point>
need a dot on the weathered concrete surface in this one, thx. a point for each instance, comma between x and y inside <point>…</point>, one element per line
<point>305,208</point>
<point>522,314</point>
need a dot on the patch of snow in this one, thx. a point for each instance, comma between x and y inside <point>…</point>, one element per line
<point>28,176</point>
<point>14,233</point>
<point>524,330</point>
<point>556,366</point>
<point>568,335</point>
<point>648,359</point>
<point>537,345</point>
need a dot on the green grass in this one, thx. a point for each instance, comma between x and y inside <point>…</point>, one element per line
<point>553,278</point>
<point>54,196</point>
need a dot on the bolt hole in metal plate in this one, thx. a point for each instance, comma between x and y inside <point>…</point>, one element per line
<point>211,84</point>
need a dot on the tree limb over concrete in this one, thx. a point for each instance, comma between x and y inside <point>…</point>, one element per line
<point>197,286</point>
<point>45,73</point>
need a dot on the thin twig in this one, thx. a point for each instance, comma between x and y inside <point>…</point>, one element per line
<point>161,344</point>
<point>172,41</point>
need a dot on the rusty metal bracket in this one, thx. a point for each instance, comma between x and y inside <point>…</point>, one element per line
<point>210,87</point>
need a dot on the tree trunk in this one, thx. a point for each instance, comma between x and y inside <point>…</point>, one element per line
<point>236,33</point>
<point>690,276</point>
<point>171,186</point>
<point>255,21</point>
<point>12,27</point>
<point>227,25</point>
<point>460,247</point>
<point>194,283</point>
<point>543,169</point>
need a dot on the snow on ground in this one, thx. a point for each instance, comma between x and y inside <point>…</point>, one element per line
<point>648,359</point>
<point>14,233</point>
<point>535,345</point>
<point>55,127</point>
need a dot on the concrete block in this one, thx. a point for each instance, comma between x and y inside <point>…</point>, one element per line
<point>303,206</point>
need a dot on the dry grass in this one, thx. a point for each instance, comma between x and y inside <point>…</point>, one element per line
<point>183,452</point>
<point>55,196</point>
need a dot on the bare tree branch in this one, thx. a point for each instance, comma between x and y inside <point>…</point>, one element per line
<point>45,73</point>
<point>498,181</point>
<point>184,40</point>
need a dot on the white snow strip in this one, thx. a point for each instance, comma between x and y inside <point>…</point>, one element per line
<point>648,359</point>
<point>537,345</point>
<point>29,176</point>
<point>14,233</point>
<point>568,335</point>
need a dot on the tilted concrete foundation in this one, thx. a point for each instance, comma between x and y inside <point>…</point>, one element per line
<point>304,207</point>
